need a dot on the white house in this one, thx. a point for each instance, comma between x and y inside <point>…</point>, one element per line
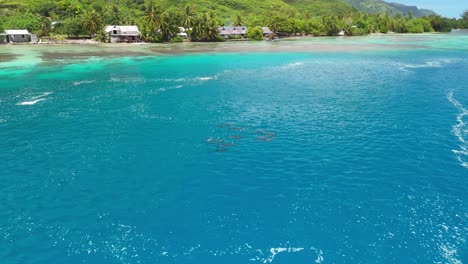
<point>18,36</point>
<point>119,34</point>
<point>182,33</point>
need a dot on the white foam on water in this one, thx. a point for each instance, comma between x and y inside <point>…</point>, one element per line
<point>41,96</point>
<point>165,89</point>
<point>127,80</point>
<point>293,65</point>
<point>83,82</point>
<point>35,99</point>
<point>278,250</point>
<point>460,130</point>
<point>204,78</point>
<point>429,64</point>
<point>450,254</point>
<point>31,102</point>
<point>207,78</point>
<point>319,253</point>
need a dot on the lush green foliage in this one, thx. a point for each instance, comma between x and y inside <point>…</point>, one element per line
<point>255,33</point>
<point>159,21</point>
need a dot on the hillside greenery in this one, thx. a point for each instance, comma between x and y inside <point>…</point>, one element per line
<point>159,20</point>
<point>378,6</point>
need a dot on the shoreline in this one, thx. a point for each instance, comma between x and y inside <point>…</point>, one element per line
<point>90,42</point>
<point>47,54</point>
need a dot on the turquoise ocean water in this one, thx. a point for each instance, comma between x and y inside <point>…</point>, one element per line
<point>253,157</point>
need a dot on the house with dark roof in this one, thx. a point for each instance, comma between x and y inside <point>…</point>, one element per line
<point>232,32</point>
<point>227,32</point>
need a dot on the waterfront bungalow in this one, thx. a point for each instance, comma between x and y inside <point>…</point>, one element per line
<point>125,34</point>
<point>17,36</point>
<point>232,32</point>
<point>267,32</point>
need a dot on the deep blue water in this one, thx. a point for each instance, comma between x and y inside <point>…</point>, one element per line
<point>352,157</point>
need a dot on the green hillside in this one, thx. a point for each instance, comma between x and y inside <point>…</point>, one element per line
<point>379,6</point>
<point>159,20</point>
<point>223,8</point>
<point>413,9</point>
<point>372,6</point>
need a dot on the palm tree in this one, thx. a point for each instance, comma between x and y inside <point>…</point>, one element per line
<point>189,17</point>
<point>153,15</point>
<point>211,30</point>
<point>91,22</point>
<point>331,25</point>
<point>45,26</point>
<point>238,21</point>
<point>205,28</point>
<point>113,15</point>
<point>167,28</point>
<point>273,25</point>
<point>197,29</point>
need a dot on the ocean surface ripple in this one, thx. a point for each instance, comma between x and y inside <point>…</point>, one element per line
<point>319,157</point>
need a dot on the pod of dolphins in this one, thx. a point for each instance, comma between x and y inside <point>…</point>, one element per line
<point>222,144</point>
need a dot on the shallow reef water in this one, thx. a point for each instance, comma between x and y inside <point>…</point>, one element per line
<point>240,156</point>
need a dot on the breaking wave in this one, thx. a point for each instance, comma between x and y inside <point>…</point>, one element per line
<point>293,65</point>
<point>35,99</point>
<point>276,251</point>
<point>460,130</point>
<point>83,82</point>
<point>31,102</point>
<point>429,64</point>
<point>207,78</point>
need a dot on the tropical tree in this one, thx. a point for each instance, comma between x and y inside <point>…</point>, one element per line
<point>440,24</point>
<point>255,33</point>
<point>211,31</point>
<point>206,28</point>
<point>72,26</point>
<point>45,27</point>
<point>274,24</point>
<point>314,26</point>
<point>153,14</point>
<point>295,25</point>
<point>91,22</point>
<point>238,21</point>
<point>101,36</point>
<point>113,15</point>
<point>25,20</point>
<point>331,25</point>
<point>167,28</point>
<point>188,17</point>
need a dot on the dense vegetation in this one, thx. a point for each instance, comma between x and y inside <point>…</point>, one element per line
<point>159,20</point>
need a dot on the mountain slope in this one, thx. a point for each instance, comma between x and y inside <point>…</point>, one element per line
<point>222,7</point>
<point>377,6</point>
<point>413,9</point>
